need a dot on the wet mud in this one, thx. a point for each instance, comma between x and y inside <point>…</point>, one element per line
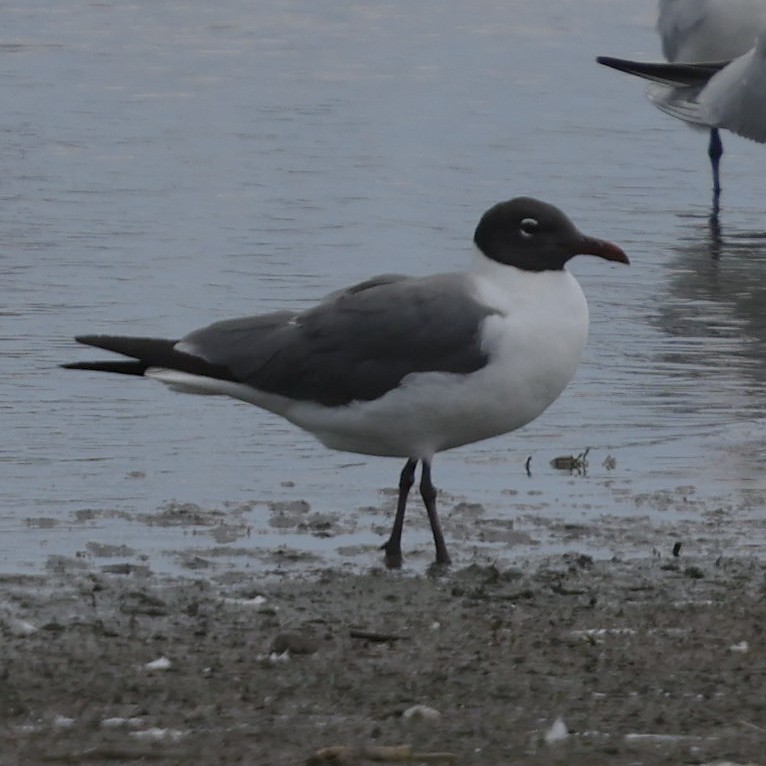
<point>555,659</point>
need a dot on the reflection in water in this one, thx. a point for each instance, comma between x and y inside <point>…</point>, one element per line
<point>714,227</point>
<point>716,309</point>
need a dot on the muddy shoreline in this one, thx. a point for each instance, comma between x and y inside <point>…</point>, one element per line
<point>647,660</point>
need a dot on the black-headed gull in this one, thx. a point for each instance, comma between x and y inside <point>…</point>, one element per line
<point>404,366</point>
<point>729,89</point>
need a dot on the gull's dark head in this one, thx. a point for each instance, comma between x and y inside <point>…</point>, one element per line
<point>535,236</point>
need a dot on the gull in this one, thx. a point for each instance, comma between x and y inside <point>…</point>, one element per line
<point>727,39</point>
<point>700,31</point>
<point>401,366</point>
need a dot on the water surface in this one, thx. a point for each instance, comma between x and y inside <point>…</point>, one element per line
<point>167,165</point>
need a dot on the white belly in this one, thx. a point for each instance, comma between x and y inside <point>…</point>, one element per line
<point>532,359</point>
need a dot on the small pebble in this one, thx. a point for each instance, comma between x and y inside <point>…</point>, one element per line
<point>294,643</point>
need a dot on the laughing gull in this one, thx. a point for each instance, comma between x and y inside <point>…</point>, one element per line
<point>729,90</point>
<point>403,366</point>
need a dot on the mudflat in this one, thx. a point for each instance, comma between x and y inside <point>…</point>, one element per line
<point>560,659</point>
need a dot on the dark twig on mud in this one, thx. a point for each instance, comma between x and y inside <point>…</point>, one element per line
<point>368,635</point>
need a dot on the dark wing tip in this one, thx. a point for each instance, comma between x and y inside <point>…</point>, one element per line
<point>132,367</point>
<point>145,353</point>
<point>100,341</point>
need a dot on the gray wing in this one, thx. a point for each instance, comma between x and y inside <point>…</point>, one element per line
<point>355,345</point>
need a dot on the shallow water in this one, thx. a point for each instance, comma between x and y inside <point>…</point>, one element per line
<point>169,165</point>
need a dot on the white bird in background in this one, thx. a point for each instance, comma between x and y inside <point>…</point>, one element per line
<point>716,77</point>
<point>403,366</point>
<point>704,31</point>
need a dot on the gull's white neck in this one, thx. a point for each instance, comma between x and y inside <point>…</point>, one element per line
<point>541,315</point>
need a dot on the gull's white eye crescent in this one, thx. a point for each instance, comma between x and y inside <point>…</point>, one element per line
<point>528,227</point>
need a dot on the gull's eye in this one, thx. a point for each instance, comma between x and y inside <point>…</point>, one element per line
<point>528,227</point>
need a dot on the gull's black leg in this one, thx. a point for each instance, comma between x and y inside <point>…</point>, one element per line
<point>715,152</point>
<point>393,546</point>
<point>428,493</point>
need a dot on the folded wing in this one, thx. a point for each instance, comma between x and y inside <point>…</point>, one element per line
<point>356,345</point>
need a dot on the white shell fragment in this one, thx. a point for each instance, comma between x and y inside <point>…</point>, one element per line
<point>161,663</point>
<point>742,647</point>
<point>557,733</point>
<point>421,713</point>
